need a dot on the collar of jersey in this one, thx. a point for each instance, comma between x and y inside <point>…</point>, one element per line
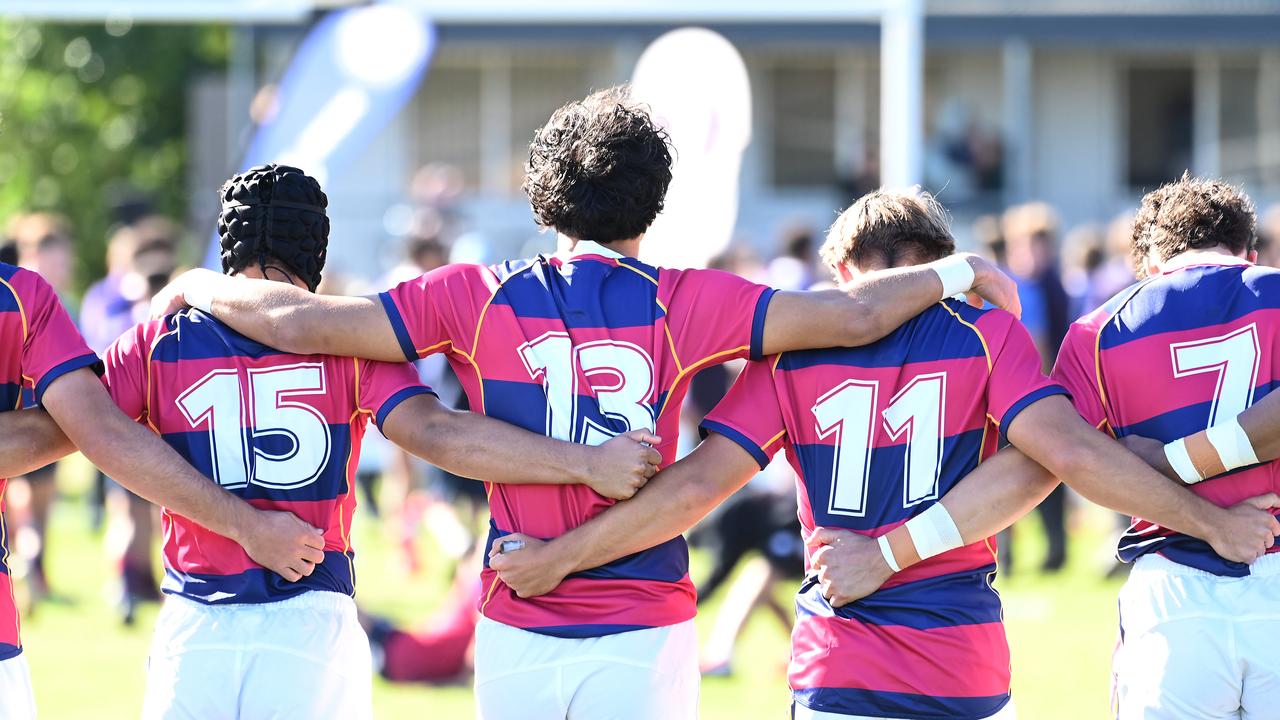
<point>1203,260</point>
<point>587,247</point>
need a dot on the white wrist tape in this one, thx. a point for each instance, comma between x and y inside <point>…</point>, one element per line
<point>1232,444</point>
<point>1176,453</point>
<point>887,551</point>
<point>934,532</point>
<point>199,297</point>
<point>956,275</point>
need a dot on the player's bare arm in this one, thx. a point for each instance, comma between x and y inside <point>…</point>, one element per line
<point>29,440</point>
<point>673,501</point>
<point>1259,424</point>
<point>482,448</point>
<point>1052,434</point>
<point>142,462</point>
<point>872,306</point>
<point>997,493</point>
<point>286,317</point>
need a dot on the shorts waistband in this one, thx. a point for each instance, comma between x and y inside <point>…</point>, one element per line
<point>320,600</point>
<point>1264,566</point>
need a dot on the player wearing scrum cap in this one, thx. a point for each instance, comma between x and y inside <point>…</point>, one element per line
<point>880,437</point>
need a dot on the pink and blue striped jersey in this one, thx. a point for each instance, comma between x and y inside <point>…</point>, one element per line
<point>876,435</point>
<point>581,348</point>
<point>40,345</point>
<point>281,431</point>
<point>1170,356</point>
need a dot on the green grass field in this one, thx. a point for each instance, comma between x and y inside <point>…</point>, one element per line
<point>86,664</point>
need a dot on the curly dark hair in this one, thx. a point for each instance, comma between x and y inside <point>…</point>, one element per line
<point>274,213</point>
<point>1193,213</point>
<point>599,169</point>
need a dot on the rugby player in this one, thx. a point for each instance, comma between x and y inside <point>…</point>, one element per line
<point>43,354</point>
<point>1187,348</point>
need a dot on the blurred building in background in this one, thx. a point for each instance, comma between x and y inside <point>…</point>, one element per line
<point>1079,103</point>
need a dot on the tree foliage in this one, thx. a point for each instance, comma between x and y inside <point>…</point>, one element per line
<point>90,113</point>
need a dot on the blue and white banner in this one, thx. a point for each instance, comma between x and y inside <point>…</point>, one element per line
<point>349,77</point>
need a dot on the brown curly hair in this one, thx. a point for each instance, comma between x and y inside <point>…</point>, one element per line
<point>599,169</point>
<point>1193,213</point>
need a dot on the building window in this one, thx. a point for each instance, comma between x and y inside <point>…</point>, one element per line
<point>802,127</point>
<point>447,120</point>
<point>1239,153</point>
<point>1160,123</point>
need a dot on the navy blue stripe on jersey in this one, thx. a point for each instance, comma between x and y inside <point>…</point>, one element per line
<point>259,585</point>
<point>884,504</point>
<point>397,325</point>
<point>1244,288</point>
<point>7,271</point>
<point>1182,549</point>
<point>196,447</point>
<point>580,632</point>
<point>668,562</point>
<point>8,651</point>
<point>76,363</point>
<point>711,426</point>
<point>1024,403</point>
<point>583,295</point>
<point>875,703</point>
<point>394,401</point>
<point>8,303</point>
<point>757,323</point>
<point>10,396</point>
<point>201,337</point>
<point>1185,420</point>
<point>525,405</point>
<point>931,336</point>
<point>964,598</point>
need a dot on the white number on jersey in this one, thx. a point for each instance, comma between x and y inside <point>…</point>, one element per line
<point>619,374</point>
<point>272,408</point>
<point>1233,358</point>
<point>848,412</point>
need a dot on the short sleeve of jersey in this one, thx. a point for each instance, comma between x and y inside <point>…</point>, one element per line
<point>439,309</point>
<point>1076,368</point>
<point>713,315</point>
<point>1016,380</point>
<point>383,386</point>
<point>750,414</point>
<point>53,347</point>
<point>126,370</point>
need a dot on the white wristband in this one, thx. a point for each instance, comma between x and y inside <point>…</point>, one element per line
<point>956,275</point>
<point>934,532</point>
<point>887,552</point>
<point>200,297</point>
<point>1176,453</point>
<point>1232,444</point>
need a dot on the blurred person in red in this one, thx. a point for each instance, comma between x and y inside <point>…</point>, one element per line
<point>441,650</point>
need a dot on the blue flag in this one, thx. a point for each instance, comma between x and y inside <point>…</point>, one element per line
<point>350,76</point>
